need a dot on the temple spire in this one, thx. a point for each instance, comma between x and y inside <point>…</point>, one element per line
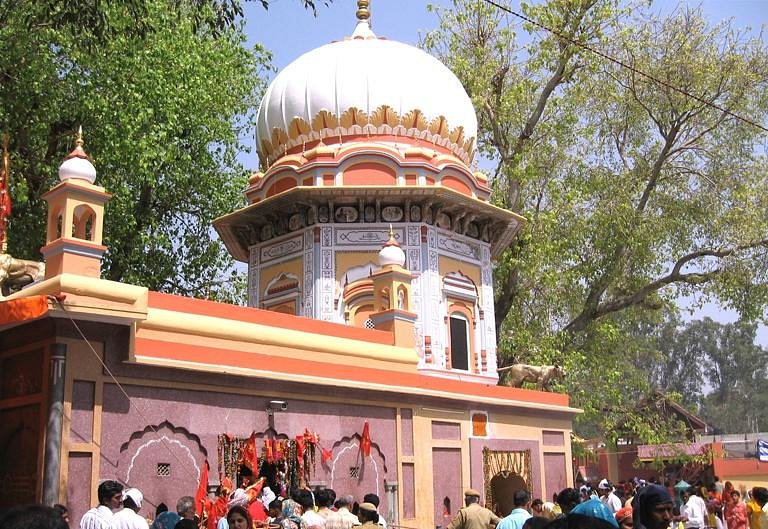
<point>363,28</point>
<point>363,10</point>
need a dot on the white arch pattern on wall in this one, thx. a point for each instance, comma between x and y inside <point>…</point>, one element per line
<point>151,442</point>
<point>341,452</point>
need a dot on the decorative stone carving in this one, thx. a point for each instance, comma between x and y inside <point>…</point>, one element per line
<point>415,214</point>
<point>266,232</point>
<point>346,214</point>
<point>370,214</point>
<point>296,222</point>
<point>442,220</point>
<point>323,214</point>
<point>312,215</point>
<point>392,214</point>
<point>472,230</point>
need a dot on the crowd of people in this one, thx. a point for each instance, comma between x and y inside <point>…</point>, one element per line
<point>628,505</point>
<point>635,504</point>
<point>243,508</point>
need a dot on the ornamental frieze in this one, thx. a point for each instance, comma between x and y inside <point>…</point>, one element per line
<point>281,249</point>
<point>354,122</point>
<point>429,212</point>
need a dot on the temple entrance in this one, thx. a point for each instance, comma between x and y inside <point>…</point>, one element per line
<point>503,488</point>
<point>506,472</point>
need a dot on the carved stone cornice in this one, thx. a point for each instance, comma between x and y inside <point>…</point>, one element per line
<point>300,207</point>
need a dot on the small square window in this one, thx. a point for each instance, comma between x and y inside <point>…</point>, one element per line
<point>164,470</point>
<point>354,472</point>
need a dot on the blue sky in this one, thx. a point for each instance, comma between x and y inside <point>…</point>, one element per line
<point>288,31</point>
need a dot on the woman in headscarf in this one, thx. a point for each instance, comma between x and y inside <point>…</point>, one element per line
<point>735,510</point>
<point>291,517</point>
<point>652,508</point>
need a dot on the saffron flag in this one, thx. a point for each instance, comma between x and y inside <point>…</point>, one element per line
<point>365,441</point>
<point>250,455</point>
<point>202,490</point>
<point>762,450</point>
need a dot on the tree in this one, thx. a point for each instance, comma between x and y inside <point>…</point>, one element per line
<point>736,372</point>
<point>635,194</point>
<point>163,115</point>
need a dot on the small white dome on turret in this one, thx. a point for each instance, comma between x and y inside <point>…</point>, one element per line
<point>77,164</point>
<point>391,253</point>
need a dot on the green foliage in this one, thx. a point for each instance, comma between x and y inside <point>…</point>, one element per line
<point>635,194</point>
<point>718,369</point>
<point>163,115</point>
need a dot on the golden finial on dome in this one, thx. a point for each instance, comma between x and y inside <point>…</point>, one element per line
<point>363,11</point>
<point>78,151</point>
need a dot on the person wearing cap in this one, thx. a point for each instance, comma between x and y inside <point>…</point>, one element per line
<point>473,515</point>
<point>515,519</point>
<point>369,515</point>
<point>652,508</point>
<point>607,497</point>
<point>110,495</point>
<point>129,517</point>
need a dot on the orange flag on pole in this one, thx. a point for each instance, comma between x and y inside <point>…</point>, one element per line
<point>365,441</point>
<point>202,490</point>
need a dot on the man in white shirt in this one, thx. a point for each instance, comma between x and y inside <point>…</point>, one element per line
<point>110,500</point>
<point>310,519</point>
<point>129,517</point>
<point>694,510</point>
<point>342,519</point>
<point>607,497</point>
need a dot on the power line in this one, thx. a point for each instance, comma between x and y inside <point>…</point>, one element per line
<point>614,60</point>
<point>162,439</point>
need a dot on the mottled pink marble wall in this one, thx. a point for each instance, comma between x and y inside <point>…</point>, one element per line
<point>78,487</point>
<point>554,474</point>
<point>446,476</point>
<point>409,491</point>
<point>446,430</point>
<point>189,423</point>
<point>406,427</point>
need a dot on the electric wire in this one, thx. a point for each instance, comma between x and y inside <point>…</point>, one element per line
<point>160,437</point>
<point>614,60</point>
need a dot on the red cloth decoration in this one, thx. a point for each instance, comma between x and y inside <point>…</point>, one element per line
<point>202,490</point>
<point>257,511</point>
<point>227,484</point>
<point>300,448</point>
<point>326,455</point>
<point>217,511</point>
<point>365,441</point>
<point>249,455</point>
<point>269,451</point>
<point>23,309</point>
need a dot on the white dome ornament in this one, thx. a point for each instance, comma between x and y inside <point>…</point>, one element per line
<point>77,164</point>
<point>391,254</point>
<point>365,85</point>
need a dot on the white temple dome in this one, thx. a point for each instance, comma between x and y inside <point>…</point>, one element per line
<point>77,164</point>
<point>396,88</point>
<point>391,253</point>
